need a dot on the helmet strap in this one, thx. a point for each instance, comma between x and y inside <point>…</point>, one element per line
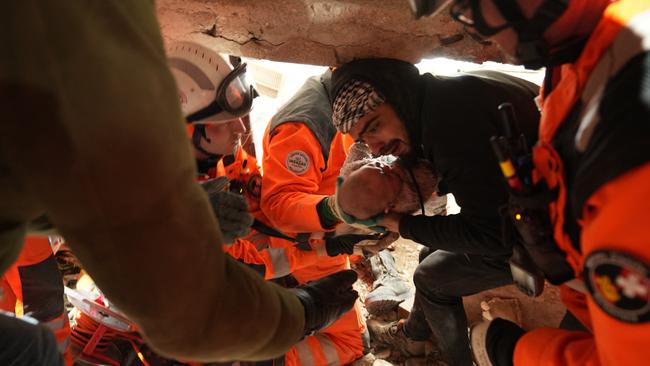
<point>198,135</point>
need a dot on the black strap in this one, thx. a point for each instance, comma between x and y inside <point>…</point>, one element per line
<point>549,12</point>
<point>302,238</point>
<point>511,12</point>
<point>198,134</point>
<point>540,197</point>
<point>267,230</point>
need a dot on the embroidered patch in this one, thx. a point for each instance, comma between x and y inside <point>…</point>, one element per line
<point>297,162</point>
<point>619,284</point>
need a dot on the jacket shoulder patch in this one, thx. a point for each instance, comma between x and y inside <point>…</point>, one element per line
<point>297,162</point>
<point>620,284</point>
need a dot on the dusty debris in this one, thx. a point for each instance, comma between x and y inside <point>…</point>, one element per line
<point>506,302</point>
<point>509,309</point>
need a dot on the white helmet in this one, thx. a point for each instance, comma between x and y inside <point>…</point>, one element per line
<point>210,90</point>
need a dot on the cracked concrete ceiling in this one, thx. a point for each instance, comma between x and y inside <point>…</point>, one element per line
<point>326,32</point>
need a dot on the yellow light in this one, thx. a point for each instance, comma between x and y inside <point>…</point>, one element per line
<point>141,357</point>
<point>517,217</point>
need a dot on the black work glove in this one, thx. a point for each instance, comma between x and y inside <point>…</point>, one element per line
<point>230,209</point>
<point>495,341</point>
<point>326,299</point>
<point>344,244</point>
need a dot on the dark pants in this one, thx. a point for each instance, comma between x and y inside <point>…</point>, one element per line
<point>441,280</point>
<point>24,343</point>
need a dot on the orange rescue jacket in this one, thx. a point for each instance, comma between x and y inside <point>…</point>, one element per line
<point>612,253</point>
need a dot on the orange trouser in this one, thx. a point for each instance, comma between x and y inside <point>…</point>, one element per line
<point>341,342</point>
<point>34,286</point>
<point>338,344</point>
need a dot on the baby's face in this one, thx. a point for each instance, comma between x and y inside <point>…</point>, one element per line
<point>371,189</point>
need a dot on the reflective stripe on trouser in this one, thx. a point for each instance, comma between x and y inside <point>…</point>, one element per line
<point>280,257</point>
<point>308,348</point>
<point>284,261</point>
<point>338,344</point>
<point>61,329</point>
<point>279,261</point>
<point>284,257</point>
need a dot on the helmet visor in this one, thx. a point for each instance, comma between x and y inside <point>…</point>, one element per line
<point>235,94</point>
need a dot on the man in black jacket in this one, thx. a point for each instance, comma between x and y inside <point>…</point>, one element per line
<point>447,120</point>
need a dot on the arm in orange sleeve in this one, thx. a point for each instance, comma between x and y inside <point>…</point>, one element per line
<point>292,175</point>
<point>616,221</point>
<point>282,261</point>
<point>278,260</point>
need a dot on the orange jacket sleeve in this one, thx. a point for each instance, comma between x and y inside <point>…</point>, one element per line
<point>277,260</point>
<point>615,221</point>
<point>292,175</point>
<point>282,261</point>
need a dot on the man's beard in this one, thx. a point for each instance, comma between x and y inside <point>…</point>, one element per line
<point>411,160</point>
<point>409,199</point>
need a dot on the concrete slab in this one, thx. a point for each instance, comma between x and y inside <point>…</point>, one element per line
<point>319,32</point>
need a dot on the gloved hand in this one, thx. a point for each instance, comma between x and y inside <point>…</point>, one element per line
<point>493,343</point>
<point>230,209</point>
<point>326,299</point>
<point>344,244</point>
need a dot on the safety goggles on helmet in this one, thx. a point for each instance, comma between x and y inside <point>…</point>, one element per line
<point>234,95</point>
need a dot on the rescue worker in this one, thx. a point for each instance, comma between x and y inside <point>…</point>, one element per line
<point>219,153</point>
<point>264,249</point>
<point>592,149</point>
<point>33,286</point>
<point>448,121</point>
<point>93,140</point>
<point>303,154</point>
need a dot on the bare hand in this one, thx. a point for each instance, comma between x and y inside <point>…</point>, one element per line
<point>391,221</point>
